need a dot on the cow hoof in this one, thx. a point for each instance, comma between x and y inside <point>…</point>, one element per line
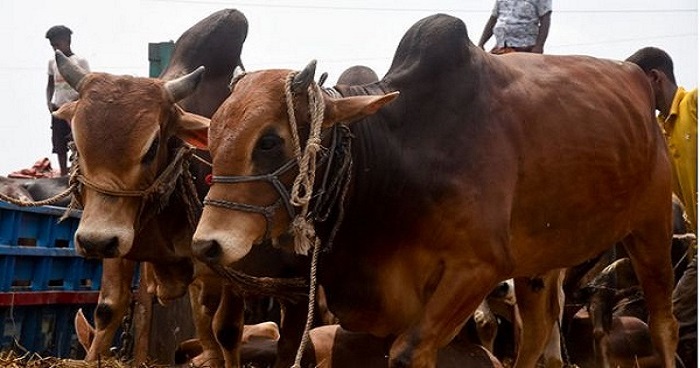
<point>403,360</point>
<point>208,360</point>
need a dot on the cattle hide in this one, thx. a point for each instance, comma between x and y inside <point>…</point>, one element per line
<point>480,168</point>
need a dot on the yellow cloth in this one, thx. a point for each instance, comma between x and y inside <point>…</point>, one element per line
<point>681,131</point>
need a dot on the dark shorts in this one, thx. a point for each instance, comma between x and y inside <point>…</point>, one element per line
<point>509,49</point>
<point>60,135</point>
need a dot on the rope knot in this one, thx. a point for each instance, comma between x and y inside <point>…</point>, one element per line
<point>304,235</point>
<point>313,144</point>
<point>303,226</point>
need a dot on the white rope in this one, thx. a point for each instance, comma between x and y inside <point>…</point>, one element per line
<point>302,227</point>
<point>49,201</point>
<point>311,306</point>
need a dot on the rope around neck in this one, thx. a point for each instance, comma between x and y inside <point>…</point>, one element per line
<point>302,226</point>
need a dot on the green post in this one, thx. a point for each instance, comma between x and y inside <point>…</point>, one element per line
<point>159,54</point>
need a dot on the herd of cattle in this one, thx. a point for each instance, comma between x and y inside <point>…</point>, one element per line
<point>416,194</point>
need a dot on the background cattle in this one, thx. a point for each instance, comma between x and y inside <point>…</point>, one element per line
<point>358,75</point>
<point>36,189</point>
<point>612,294</point>
<point>484,168</point>
<point>44,188</point>
<point>13,188</point>
<point>333,347</point>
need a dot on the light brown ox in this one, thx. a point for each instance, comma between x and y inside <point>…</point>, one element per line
<point>485,168</point>
<point>124,129</point>
<point>128,128</point>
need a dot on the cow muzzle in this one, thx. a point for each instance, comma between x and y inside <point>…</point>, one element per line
<point>213,252</point>
<point>207,250</point>
<point>222,245</point>
<point>91,244</point>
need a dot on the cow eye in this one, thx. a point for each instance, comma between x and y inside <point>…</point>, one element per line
<point>151,153</point>
<point>269,142</point>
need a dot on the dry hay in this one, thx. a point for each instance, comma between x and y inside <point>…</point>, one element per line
<point>10,359</point>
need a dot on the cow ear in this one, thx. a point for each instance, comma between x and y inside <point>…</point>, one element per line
<point>193,129</point>
<point>83,330</point>
<point>349,109</point>
<point>66,111</point>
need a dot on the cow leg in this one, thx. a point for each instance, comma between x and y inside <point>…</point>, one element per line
<point>291,331</point>
<point>486,325</point>
<point>169,280</point>
<point>601,342</point>
<point>650,253</point>
<point>539,307</point>
<point>228,326</point>
<point>205,296</point>
<point>552,351</point>
<point>112,304</point>
<point>456,296</point>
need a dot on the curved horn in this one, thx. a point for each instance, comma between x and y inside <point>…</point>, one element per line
<point>238,73</point>
<point>304,78</point>
<point>70,71</point>
<point>184,86</point>
<point>322,79</point>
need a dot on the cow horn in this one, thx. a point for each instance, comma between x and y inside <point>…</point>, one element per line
<point>70,71</point>
<point>184,86</point>
<point>238,73</point>
<point>304,78</point>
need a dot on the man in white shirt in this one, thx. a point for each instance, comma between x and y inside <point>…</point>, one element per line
<point>58,92</point>
<point>519,25</point>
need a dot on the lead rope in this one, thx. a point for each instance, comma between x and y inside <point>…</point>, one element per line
<point>46,202</point>
<point>72,188</point>
<point>302,225</point>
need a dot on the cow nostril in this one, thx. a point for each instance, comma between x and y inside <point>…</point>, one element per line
<point>82,244</point>
<point>111,247</point>
<point>98,247</point>
<point>207,250</point>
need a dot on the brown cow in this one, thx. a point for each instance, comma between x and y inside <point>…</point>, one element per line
<point>115,233</point>
<point>334,347</point>
<point>137,121</point>
<point>613,294</point>
<point>485,168</point>
<point>628,343</point>
<point>137,206</point>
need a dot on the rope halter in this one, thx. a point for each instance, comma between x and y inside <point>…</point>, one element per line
<point>158,193</point>
<point>298,199</point>
<point>295,201</point>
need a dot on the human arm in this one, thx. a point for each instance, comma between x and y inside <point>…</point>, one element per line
<point>488,31</point>
<point>545,21</point>
<point>84,64</point>
<point>49,94</point>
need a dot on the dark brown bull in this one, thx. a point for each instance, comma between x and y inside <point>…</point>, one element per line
<point>485,168</point>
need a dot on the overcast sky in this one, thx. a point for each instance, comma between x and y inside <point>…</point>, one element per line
<point>114,35</point>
